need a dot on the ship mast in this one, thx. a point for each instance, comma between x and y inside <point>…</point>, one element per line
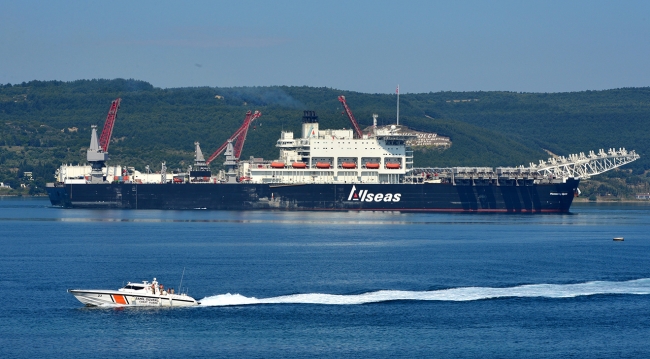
<point>397,104</point>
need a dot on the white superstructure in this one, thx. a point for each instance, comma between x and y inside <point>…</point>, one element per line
<point>335,156</point>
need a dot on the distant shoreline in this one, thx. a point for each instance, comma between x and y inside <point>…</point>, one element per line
<point>626,200</point>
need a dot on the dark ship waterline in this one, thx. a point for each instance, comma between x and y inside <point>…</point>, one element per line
<point>330,170</point>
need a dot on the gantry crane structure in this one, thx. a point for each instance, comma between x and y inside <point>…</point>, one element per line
<point>560,168</point>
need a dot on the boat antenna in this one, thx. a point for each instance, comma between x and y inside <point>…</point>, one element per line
<point>180,288</point>
<point>397,91</point>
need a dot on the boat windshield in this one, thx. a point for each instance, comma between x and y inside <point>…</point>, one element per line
<point>133,287</point>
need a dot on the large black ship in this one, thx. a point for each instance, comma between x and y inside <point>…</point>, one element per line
<point>371,197</point>
<point>328,170</point>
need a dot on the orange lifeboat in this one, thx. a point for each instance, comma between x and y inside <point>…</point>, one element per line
<point>277,164</point>
<point>393,166</point>
<point>322,165</point>
<point>299,165</point>
<point>349,165</point>
<point>372,165</point>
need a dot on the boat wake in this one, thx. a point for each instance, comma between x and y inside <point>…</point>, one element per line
<point>637,286</point>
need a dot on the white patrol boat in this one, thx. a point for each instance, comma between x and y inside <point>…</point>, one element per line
<point>143,294</point>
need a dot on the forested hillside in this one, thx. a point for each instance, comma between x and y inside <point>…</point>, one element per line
<point>43,124</point>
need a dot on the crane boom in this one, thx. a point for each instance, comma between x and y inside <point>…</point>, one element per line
<point>357,130</point>
<point>239,137</point>
<point>242,136</point>
<point>105,138</point>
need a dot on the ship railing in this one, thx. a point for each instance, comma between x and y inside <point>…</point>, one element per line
<point>452,174</point>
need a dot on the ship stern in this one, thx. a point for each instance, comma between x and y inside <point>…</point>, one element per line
<point>58,195</point>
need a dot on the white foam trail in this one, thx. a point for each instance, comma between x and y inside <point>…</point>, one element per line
<point>637,286</point>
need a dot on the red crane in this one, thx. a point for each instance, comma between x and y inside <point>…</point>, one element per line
<point>105,138</point>
<point>357,130</point>
<point>239,137</point>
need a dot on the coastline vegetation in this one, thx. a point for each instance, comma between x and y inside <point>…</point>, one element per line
<point>46,123</point>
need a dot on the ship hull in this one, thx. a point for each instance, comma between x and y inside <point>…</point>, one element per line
<point>426,197</point>
<point>127,299</point>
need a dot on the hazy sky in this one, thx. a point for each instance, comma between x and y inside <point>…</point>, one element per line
<point>366,46</point>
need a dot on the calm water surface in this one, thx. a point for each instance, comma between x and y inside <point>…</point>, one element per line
<point>310,284</point>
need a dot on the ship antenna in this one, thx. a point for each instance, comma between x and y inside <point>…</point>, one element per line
<point>397,91</point>
<point>180,285</point>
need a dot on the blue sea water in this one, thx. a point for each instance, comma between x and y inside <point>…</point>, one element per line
<point>329,285</point>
